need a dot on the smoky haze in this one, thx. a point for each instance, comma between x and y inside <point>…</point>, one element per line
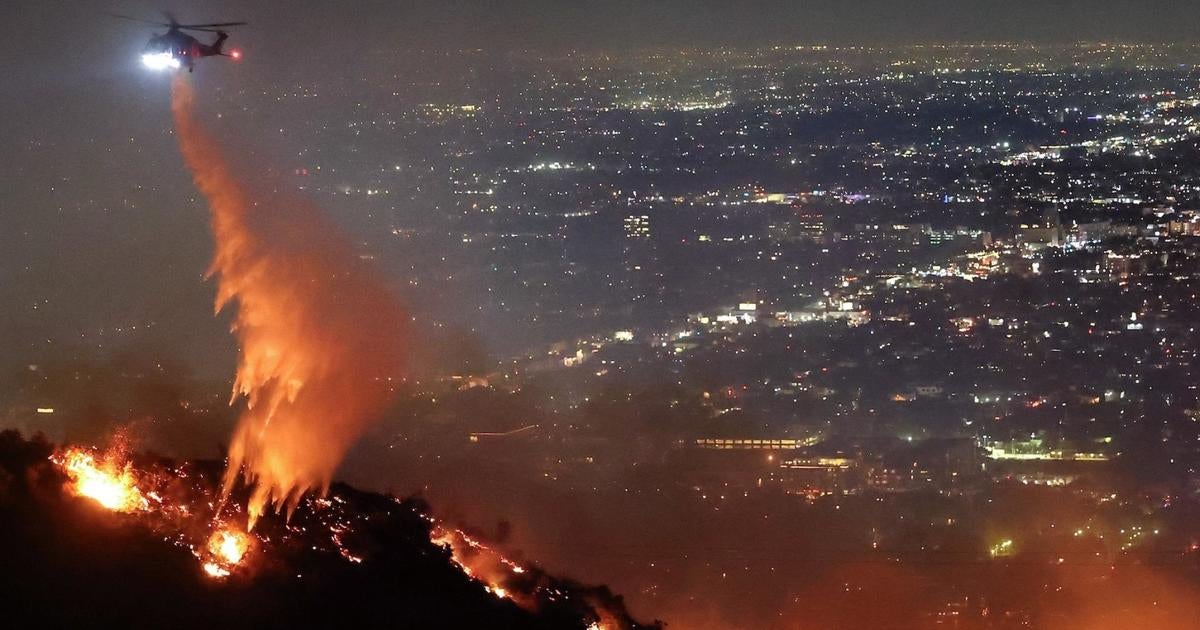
<point>365,119</point>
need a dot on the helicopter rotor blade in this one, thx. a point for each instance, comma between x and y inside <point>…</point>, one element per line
<point>174,24</point>
<point>213,25</point>
<point>133,19</point>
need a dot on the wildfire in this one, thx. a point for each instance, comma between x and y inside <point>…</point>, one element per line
<point>506,579</point>
<point>226,548</point>
<point>479,561</point>
<point>110,480</point>
<point>319,342</point>
<point>215,570</point>
<point>229,546</point>
<point>106,481</point>
<point>179,502</point>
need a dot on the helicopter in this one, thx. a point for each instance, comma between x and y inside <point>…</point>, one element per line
<point>176,49</point>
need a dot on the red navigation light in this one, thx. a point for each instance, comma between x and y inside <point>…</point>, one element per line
<point>236,54</point>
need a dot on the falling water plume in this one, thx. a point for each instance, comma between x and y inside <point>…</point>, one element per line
<point>319,334</point>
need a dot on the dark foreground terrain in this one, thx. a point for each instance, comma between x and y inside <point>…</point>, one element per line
<point>67,560</point>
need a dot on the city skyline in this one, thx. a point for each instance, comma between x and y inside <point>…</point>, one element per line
<point>769,316</point>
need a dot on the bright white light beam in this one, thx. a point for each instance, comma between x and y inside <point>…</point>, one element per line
<point>160,61</point>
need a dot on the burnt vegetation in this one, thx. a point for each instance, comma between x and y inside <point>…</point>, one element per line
<point>70,561</point>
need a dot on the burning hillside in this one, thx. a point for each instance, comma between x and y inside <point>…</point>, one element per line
<point>118,538</point>
<point>110,537</point>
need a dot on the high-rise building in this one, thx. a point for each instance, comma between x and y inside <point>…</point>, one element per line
<point>810,225</point>
<point>643,277</point>
<point>637,226</point>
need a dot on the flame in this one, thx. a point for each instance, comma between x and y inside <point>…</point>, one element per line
<point>319,334</point>
<point>506,579</point>
<point>480,562</point>
<point>112,481</point>
<point>105,481</point>
<point>215,570</point>
<point>226,549</point>
<point>229,546</point>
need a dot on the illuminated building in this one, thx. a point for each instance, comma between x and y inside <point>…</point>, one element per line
<point>642,277</point>
<point>816,476</point>
<point>750,443</point>
<point>810,225</point>
<point>637,226</point>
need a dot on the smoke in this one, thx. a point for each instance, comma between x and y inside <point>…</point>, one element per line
<point>319,335</point>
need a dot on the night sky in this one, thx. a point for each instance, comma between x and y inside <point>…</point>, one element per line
<point>100,227</point>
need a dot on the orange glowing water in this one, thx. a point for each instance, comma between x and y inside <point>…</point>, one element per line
<point>319,334</point>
